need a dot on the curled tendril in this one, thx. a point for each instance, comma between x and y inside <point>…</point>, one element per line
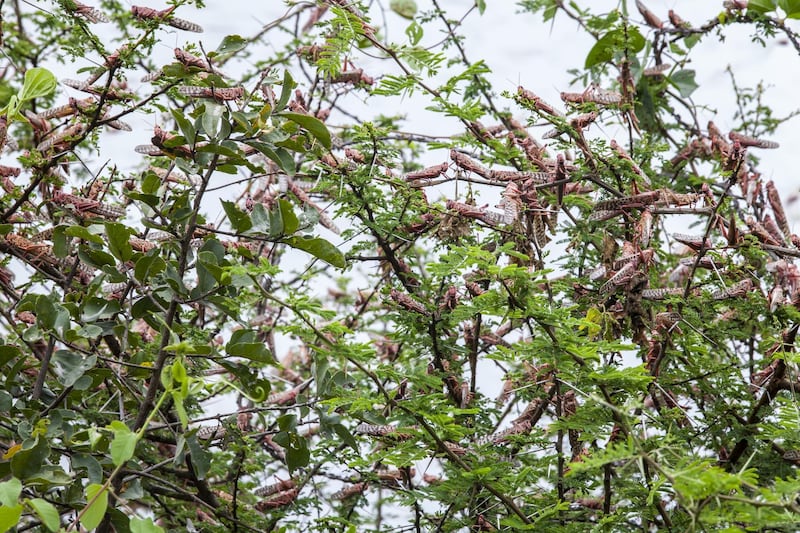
<point>257,393</point>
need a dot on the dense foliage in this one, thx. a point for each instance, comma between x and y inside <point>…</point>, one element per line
<point>276,318</point>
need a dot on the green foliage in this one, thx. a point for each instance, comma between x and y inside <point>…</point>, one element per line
<point>38,83</point>
<point>762,7</point>
<point>625,39</point>
<point>96,505</point>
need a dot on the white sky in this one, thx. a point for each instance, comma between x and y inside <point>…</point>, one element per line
<point>522,50</point>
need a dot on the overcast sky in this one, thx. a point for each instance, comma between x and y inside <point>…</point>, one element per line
<point>522,50</point>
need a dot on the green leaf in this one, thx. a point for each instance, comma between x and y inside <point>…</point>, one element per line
<point>201,458</point>
<point>89,331</point>
<point>84,234</point>
<point>49,315</point>
<point>636,40</point>
<point>414,32</point>
<point>297,452</point>
<point>603,50</point>
<point>9,516</point>
<point>761,6</point>
<point>97,503</point>
<point>790,7</point>
<point>70,366</point>
<point>286,91</point>
<point>10,491</point>
<point>8,353</point>
<point>94,470</point>
<point>683,80</point>
<point>187,129</point>
<point>405,8</point>
<point>633,378</point>
<point>46,512</point>
<point>11,109</point>
<point>179,375</point>
<point>319,248</point>
<point>5,401</point>
<point>185,347</point>
<point>124,444</point>
<point>38,82</point>
<point>120,522</point>
<point>289,219</point>
<point>133,490</point>
<point>279,156</point>
<point>240,221</point>
<point>60,245</point>
<point>205,281</point>
<point>208,265</point>
<point>99,309</point>
<point>260,218</point>
<point>119,240</point>
<point>180,408</point>
<point>314,126</point>
<point>231,44</point>
<point>614,41</point>
<point>147,267</point>
<point>251,384</point>
<point>275,223</point>
<point>292,144</point>
<point>212,272</point>
<point>27,462</point>
<point>692,40</point>
<point>343,433</point>
<point>151,183</point>
<point>148,199</point>
<point>212,119</point>
<point>145,525</point>
<point>255,351</point>
<point>52,316</point>
<point>287,423</point>
<point>166,378</point>
<point>216,249</point>
<point>246,343</point>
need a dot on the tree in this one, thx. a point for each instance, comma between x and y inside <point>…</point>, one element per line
<point>570,359</point>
